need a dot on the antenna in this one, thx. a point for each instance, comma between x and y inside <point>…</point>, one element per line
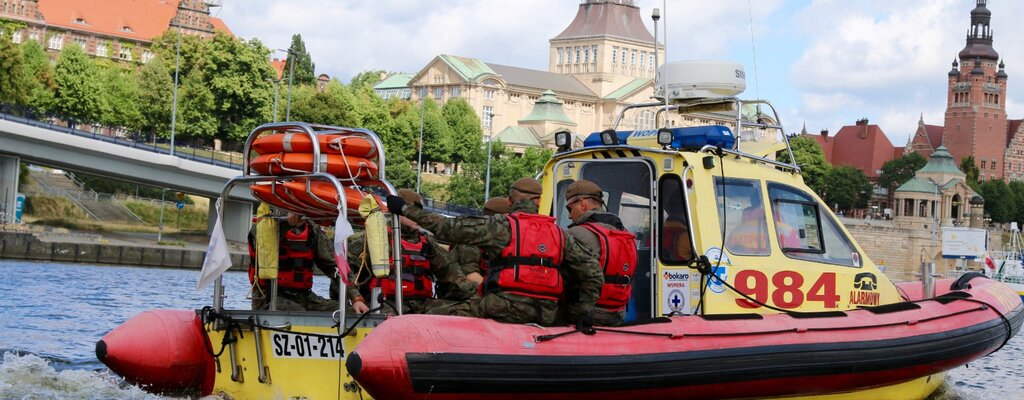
<point>753,50</point>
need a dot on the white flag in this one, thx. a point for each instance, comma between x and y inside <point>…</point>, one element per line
<point>342,230</point>
<point>217,258</point>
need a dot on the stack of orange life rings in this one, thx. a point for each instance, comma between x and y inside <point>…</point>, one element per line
<point>348,155</point>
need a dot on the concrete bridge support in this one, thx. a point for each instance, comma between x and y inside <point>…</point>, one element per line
<point>237,219</point>
<point>8,187</point>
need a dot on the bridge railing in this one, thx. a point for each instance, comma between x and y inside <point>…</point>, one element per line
<point>53,122</point>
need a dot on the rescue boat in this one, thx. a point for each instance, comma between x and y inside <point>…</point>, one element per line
<point>746,286</point>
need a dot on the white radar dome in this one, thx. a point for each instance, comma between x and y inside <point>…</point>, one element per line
<point>700,79</point>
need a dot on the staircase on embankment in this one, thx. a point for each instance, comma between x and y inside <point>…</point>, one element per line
<point>101,207</point>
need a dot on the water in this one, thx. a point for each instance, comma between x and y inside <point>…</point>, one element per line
<point>51,316</point>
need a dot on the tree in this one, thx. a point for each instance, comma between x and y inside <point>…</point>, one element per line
<point>194,50</point>
<point>367,78</point>
<point>811,159</point>
<point>1000,202</point>
<point>237,74</point>
<point>898,171</point>
<point>40,71</point>
<point>120,95</point>
<point>1017,188</point>
<point>196,106</point>
<point>15,83</point>
<point>304,69</point>
<point>333,106</point>
<point>437,144</point>
<point>467,136</point>
<point>970,168</point>
<point>467,186</point>
<point>373,111</point>
<point>78,86</point>
<point>155,96</point>
<point>401,142</point>
<point>846,188</point>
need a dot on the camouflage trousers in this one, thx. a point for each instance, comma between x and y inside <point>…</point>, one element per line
<point>294,300</point>
<point>502,307</point>
<point>410,306</point>
<point>608,318</point>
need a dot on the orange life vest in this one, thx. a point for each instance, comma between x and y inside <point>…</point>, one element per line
<point>529,265</point>
<point>417,279</point>
<point>618,261</point>
<point>296,257</point>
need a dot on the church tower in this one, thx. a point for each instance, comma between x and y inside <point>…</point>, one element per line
<point>976,100</point>
<point>606,46</point>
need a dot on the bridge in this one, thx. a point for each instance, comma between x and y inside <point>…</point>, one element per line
<point>61,147</point>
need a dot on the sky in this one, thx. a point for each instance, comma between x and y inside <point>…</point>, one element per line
<point>824,63</point>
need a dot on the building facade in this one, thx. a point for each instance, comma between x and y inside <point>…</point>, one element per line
<point>115,29</point>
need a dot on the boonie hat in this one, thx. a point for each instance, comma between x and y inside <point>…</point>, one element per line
<point>527,185</point>
<point>497,205</point>
<point>584,188</point>
<point>411,197</point>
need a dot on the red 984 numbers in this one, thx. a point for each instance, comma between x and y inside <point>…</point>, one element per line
<point>784,289</point>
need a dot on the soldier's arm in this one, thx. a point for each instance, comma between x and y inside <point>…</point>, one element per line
<point>586,237</point>
<point>581,263</point>
<point>491,233</point>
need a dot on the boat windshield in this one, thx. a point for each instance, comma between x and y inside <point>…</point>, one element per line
<point>741,215</point>
<point>804,232</point>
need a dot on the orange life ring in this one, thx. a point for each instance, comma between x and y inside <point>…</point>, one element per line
<point>277,196</point>
<point>326,192</point>
<point>355,146</point>
<point>345,167</point>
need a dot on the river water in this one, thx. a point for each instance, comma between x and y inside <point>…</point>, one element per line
<point>52,314</point>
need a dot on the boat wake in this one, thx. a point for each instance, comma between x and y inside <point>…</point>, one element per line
<point>28,376</point>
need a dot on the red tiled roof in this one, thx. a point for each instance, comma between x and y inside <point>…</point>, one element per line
<point>826,144</point>
<point>219,25</point>
<point>278,66</point>
<point>1011,129</point>
<point>597,18</point>
<point>934,133</point>
<point>864,147</point>
<point>133,19</point>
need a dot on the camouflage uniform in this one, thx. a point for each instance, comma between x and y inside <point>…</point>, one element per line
<point>290,299</point>
<point>491,234</point>
<point>608,220</point>
<point>440,266</point>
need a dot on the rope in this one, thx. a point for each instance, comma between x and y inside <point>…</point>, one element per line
<point>594,330</point>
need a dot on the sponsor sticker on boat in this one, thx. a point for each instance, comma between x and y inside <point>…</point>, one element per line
<point>291,345</point>
<point>720,269</point>
<point>675,291</point>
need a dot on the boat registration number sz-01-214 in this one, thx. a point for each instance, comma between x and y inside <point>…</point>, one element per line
<point>291,345</point>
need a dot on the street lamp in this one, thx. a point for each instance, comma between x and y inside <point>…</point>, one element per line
<point>174,93</point>
<point>277,83</point>
<point>419,158</point>
<point>490,138</point>
<point>291,73</point>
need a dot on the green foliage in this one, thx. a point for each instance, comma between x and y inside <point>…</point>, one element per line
<point>15,83</point>
<point>22,175</point>
<point>78,92</point>
<point>437,135</point>
<point>1017,188</point>
<point>467,136</point>
<point>367,78</point>
<point>8,27</point>
<point>120,95</point>
<point>898,171</point>
<point>304,69</point>
<point>196,108</point>
<point>1000,204</point>
<point>192,218</point>
<point>373,111</point>
<point>400,143</point>
<point>40,71</point>
<point>400,173</point>
<point>970,168</point>
<point>237,74</point>
<point>334,106</point>
<point>194,50</point>
<point>155,97</point>
<point>846,188</point>
<point>811,159</point>
<point>467,187</point>
<point>47,206</point>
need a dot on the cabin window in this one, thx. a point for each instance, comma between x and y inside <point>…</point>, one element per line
<point>674,243</point>
<point>741,215</point>
<point>805,233</point>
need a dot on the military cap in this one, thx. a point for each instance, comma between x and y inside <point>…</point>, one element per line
<point>411,197</point>
<point>497,205</point>
<point>527,186</point>
<point>584,188</point>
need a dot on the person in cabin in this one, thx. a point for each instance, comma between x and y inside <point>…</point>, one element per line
<point>468,258</point>
<point>528,254</point>
<point>425,264</point>
<point>301,246</point>
<point>603,233</point>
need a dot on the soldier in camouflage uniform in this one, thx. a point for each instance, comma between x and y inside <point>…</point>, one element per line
<point>585,203</point>
<point>295,299</point>
<point>432,251</point>
<point>468,258</point>
<point>493,235</point>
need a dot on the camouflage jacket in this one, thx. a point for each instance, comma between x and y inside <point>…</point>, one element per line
<point>493,233</point>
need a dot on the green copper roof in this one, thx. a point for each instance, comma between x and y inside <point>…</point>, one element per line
<point>518,135</point>
<point>395,81</point>
<point>548,108</point>
<point>919,185</point>
<point>469,68</point>
<point>941,162</point>
<point>628,88</point>
<point>952,182</point>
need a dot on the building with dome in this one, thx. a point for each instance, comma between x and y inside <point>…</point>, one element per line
<point>938,192</point>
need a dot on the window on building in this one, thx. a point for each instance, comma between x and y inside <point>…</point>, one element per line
<point>81,42</point>
<point>922,208</point>
<point>983,163</point>
<point>643,55</point>
<point>632,57</point>
<point>17,35</point>
<point>993,165</point>
<point>455,91</point>
<point>102,49</point>
<point>125,53</point>
<point>147,56</point>
<point>33,35</point>
<point>422,93</point>
<point>593,50</point>
<point>650,59</point>
<point>561,53</point>
<point>624,51</point>
<point>438,92</point>
<point>489,94</point>
<point>56,41</point>
<point>908,207</point>
<point>586,55</point>
<point>577,60</point>
<point>488,116</point>
<point>615,54</point>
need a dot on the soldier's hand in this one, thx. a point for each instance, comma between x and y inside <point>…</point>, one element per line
<point>395,204</point>
<point>360,307</point>
<point>585,323</point>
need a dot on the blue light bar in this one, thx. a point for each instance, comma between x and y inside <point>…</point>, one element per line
<point>594,139</point>
<point>693,137</point>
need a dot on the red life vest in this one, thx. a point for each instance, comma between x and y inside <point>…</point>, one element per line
<point>529,265</point>
<point>618,261</point>
<point>296,257</point>
<point>417,280</point>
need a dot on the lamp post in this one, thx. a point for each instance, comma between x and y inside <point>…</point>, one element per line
<point>174,93</point>
<point>277,83</point>
<point>419,157</point>
<point>655,16</point>
<point>490,138</point>
<point>291,74</point>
